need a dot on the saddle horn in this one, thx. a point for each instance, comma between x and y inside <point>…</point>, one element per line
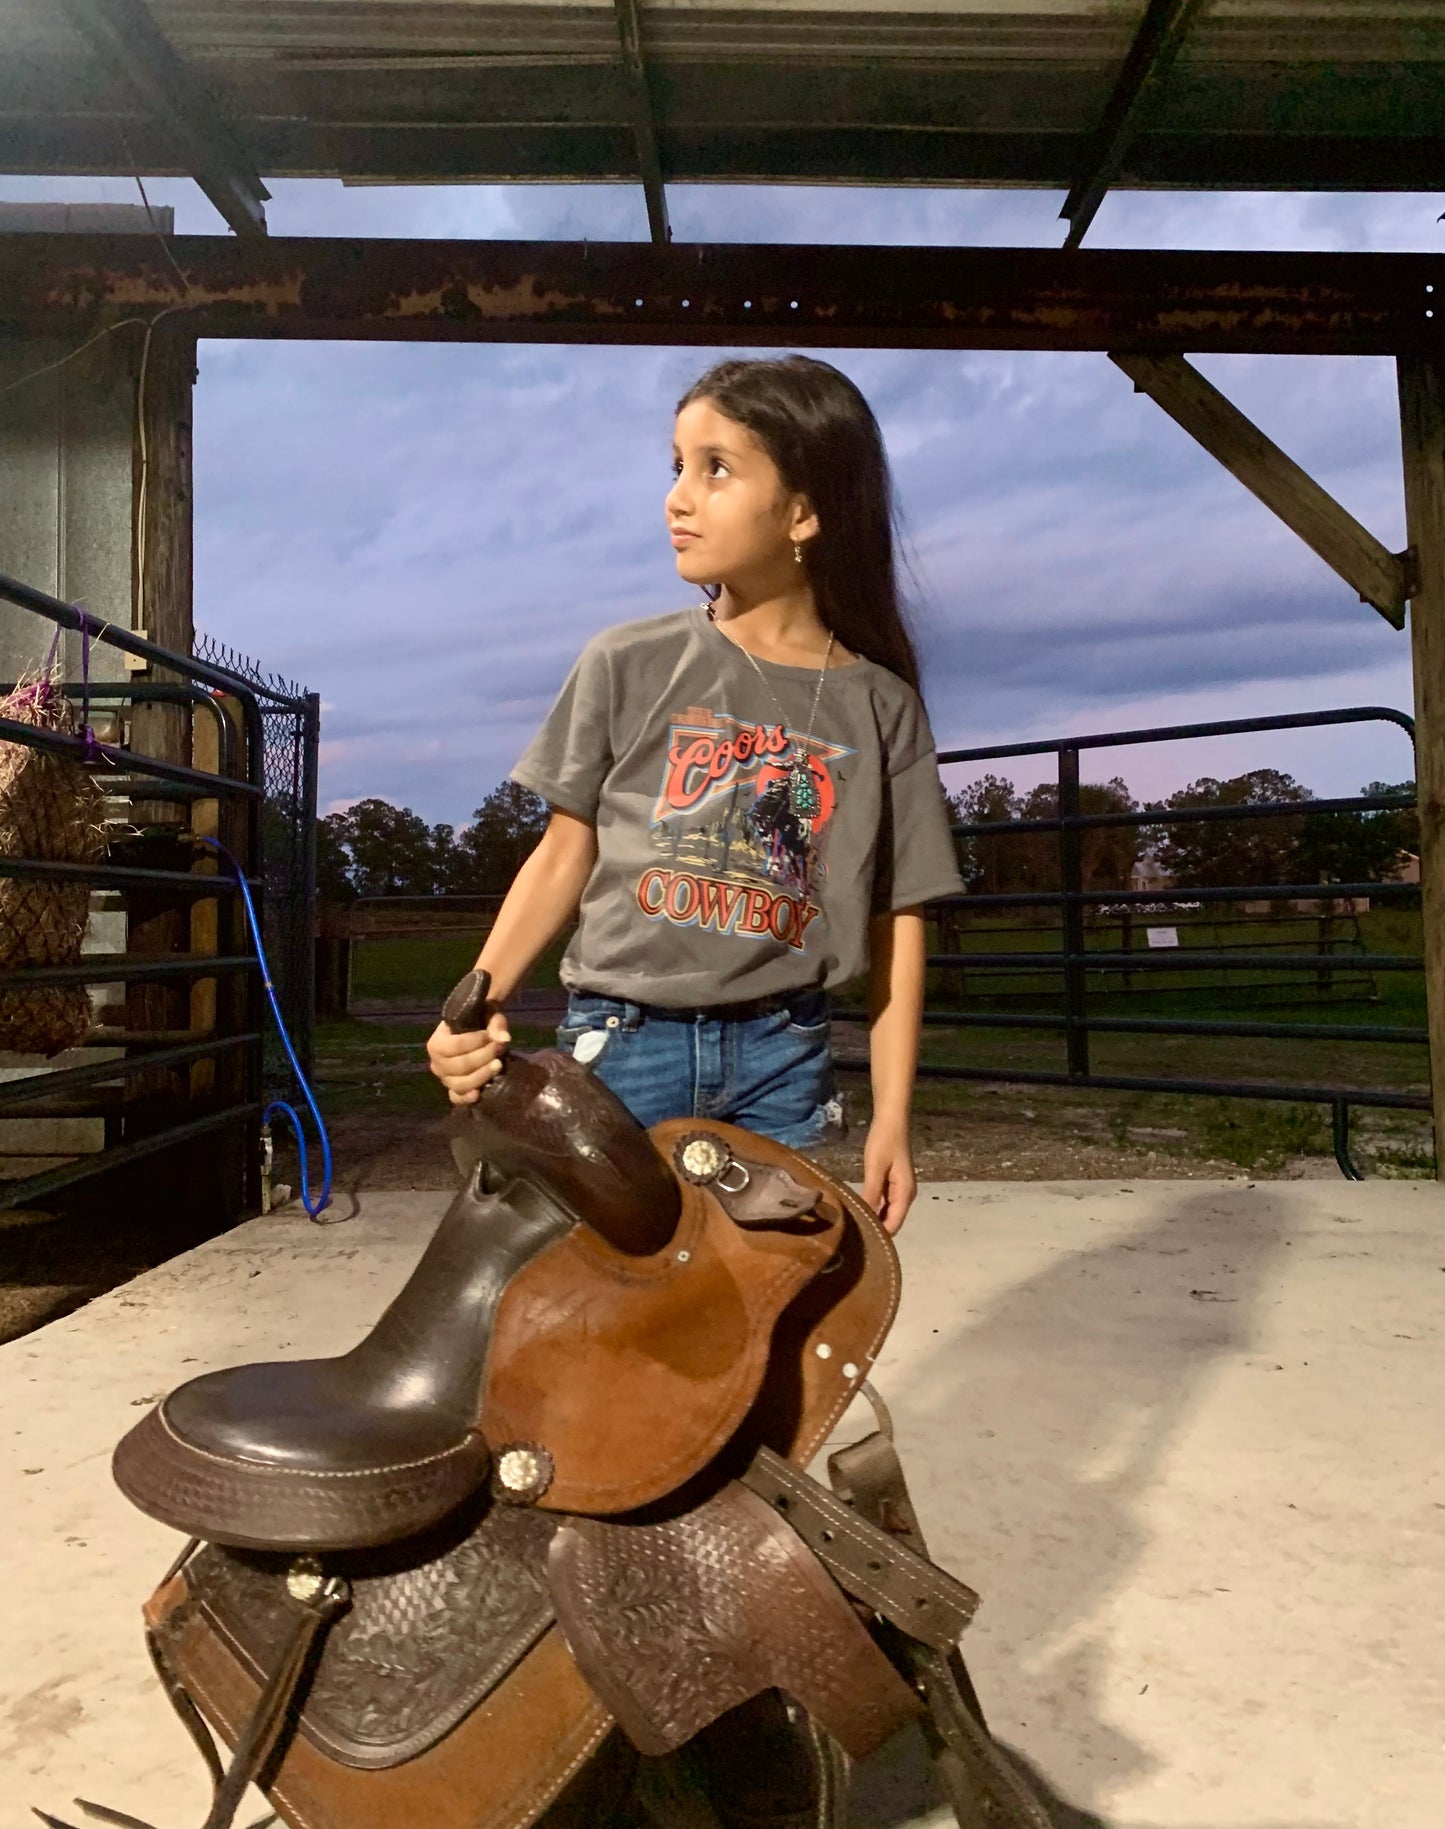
<point>546,1119</point>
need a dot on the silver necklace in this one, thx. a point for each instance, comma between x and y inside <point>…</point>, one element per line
<point>803,796</point>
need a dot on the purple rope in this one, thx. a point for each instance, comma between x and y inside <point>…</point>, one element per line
<point>31,698</point>
<point>34,697</point>
<point>93,751</point>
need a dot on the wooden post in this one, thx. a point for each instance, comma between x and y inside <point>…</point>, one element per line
<point>1422,439</point>
<point>161,472</point>
<point>162,608</point>
<point>333,962</point>
<point>1380,576</point>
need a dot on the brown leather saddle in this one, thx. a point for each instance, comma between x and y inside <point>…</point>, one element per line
<point>551,1513</point>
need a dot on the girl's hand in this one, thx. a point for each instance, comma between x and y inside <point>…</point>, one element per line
<point>464,1063</point>
<point>889,1183</point>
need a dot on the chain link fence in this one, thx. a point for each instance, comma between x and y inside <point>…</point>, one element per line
<point>290,724</point>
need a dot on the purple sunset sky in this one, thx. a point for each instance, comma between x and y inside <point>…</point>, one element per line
<point>426,534</point>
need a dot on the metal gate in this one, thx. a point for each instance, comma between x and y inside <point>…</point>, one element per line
<point>1078,971</point>
<point>179,1082</point>
<point>290,733</point>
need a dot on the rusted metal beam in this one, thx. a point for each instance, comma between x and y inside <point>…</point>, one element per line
<point>1365,563</point>
<point>127,38</point>
<point>1155,45</point>
<point>644,130</point>
<point>938,298</point>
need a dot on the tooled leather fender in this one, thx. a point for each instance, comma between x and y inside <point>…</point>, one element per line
<point>432,1627</point>
<point>676,1621</point>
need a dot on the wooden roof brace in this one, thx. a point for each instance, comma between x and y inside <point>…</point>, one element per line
<point>1156,44</point>
<point>1382,578</point>
<point>127,38</point>
<point>644,130</point>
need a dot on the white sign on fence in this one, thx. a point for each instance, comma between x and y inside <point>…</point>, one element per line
<point>1163,936</point>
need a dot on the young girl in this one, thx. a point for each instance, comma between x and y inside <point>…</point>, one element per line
<point>745,802</point>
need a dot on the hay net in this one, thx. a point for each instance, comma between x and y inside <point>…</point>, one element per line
<point>50,809</point>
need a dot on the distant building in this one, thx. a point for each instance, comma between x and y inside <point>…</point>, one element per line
<point>1149,873</point>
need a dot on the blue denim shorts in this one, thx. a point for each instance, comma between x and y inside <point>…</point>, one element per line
<point>769,1071</point>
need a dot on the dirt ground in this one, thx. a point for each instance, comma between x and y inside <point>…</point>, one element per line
<point>408,1152</point>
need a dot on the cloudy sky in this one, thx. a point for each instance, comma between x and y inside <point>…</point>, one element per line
<point>426,534</point>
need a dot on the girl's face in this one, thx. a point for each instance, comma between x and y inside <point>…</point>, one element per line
<point>730,518</point>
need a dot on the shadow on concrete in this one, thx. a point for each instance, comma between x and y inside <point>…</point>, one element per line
<point>896,1790</point>
<point>1055,1405</point>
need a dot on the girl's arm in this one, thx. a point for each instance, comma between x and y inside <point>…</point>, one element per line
<point>542,899</point>
<point>897,948</point>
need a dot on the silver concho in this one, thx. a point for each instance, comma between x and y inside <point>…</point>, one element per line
<point>305,1578</point>
<point>309,1583</point>
<point>701,1158</point>
<point>522,1473</point>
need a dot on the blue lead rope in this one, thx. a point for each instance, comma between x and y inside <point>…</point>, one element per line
<point>280,1105</point>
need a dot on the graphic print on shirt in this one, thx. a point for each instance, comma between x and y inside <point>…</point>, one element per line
<point>740,859</point>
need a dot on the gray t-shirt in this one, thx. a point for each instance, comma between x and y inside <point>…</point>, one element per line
<point>708,888</point>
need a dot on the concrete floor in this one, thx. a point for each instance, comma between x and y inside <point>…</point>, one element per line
<point>1181,1436</point>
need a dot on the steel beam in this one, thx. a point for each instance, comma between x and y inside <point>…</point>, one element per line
<point>620,292</point>
<point>644,130</point>
<point>127,38</point>
<point>1156,44</point>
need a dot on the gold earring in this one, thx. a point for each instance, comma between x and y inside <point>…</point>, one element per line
<point>797,553</point>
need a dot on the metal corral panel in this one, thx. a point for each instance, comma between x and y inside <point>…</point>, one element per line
<point>1276,94</point>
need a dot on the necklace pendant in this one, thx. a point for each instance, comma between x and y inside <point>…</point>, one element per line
<point>803,794</point>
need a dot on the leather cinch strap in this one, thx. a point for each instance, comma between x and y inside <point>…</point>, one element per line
<point>871,1564</point>
<point>321,1599</point>
<point>985,1789</point>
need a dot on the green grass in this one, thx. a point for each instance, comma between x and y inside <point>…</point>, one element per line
<point>1394,998</point>
<point>424,971</point>
<point>363,1067</point>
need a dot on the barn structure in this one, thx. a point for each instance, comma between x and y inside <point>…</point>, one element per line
<point>1192,1514</point>
<point>99,323</point>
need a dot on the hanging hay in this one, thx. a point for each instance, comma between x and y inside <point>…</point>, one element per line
<point>51,809</point>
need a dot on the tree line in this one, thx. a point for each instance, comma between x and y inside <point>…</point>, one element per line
<point>1304,847</point>
<point>376,848</point>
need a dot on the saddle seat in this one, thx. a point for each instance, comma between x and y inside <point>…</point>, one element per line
<point>384,1441</point>
<point>590,1250</point>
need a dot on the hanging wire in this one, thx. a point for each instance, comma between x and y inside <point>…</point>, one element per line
<point>323,1200</point>
<point>50,367</point>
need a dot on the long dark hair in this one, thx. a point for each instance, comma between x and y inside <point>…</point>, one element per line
<point>820,432</point>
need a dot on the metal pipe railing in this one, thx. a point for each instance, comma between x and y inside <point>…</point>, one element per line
<point>117,1155</point>
<point>46,1085</point>
<point>69,616</point>
<point>239,782</point>
<point>1074,965</point>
